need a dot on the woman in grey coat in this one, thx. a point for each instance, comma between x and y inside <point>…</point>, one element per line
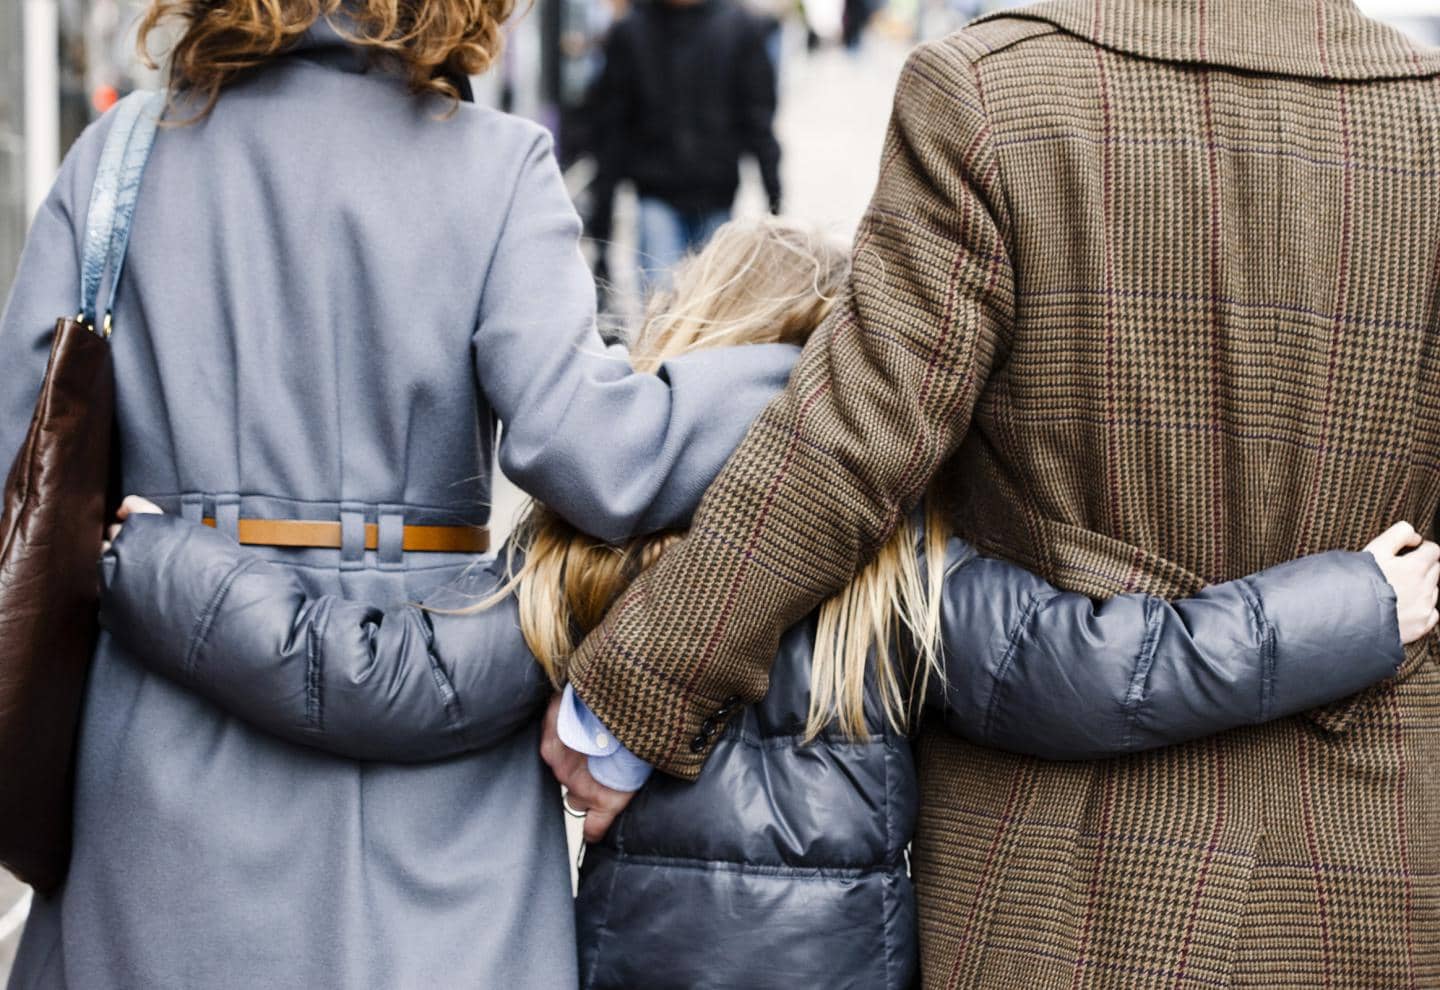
<point>788,856</point>
<point>336,287</point>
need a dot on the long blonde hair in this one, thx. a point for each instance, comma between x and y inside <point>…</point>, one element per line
<point>758,281</point>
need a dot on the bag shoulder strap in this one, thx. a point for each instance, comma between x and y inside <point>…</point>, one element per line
<point>112,200</point>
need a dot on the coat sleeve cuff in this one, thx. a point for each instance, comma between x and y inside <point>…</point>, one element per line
<point>610,763</point>
<point>1335,628</point>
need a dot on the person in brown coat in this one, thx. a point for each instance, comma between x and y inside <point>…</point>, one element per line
<point>1154,282</point>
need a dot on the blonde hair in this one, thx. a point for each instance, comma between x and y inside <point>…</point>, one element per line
<point>758,281</point>
<point>431,41</point>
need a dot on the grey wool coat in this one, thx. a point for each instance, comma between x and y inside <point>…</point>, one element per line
<point>784,866</point>
<point>333,294</point>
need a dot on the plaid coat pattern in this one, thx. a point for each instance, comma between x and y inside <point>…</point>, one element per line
<point>1148,288</point>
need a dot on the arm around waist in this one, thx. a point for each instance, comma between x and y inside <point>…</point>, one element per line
<point>403,684</point>
<point>1053,674</point>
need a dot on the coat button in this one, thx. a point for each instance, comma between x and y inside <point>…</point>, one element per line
<point>708,727</point>
<point>698,744</point>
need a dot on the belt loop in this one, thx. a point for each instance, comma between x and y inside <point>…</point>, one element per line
<point>192,507</point>
<point>227,515</point>
<point>391,538</point>
<point>352,536</point>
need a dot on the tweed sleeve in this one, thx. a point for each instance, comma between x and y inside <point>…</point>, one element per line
<point>882,395</point>
<point>403,684</point>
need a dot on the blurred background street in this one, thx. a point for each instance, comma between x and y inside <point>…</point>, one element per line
<point>62,62</point>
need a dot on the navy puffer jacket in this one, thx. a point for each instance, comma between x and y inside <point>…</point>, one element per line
<point>784,866</point>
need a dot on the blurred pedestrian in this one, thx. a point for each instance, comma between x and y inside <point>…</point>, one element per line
<point>772,15</point>
<point>856,18</point>
<point>688,89</point>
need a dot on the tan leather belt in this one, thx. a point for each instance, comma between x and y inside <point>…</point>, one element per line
<point>328,536</point>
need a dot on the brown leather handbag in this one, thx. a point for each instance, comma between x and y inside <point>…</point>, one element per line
<point>53,521</point>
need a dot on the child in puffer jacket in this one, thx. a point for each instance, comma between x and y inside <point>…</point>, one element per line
<point>785,865</point>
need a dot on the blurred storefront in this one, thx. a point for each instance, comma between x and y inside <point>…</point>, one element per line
<point>62,63</point>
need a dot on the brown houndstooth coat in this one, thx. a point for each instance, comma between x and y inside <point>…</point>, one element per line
<point>1155,283</point>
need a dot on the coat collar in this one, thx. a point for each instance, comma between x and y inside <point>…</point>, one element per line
<point>1321,39</point>
<point>324,43</point>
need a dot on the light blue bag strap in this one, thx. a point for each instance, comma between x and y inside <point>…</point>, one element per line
<point>112,200</point>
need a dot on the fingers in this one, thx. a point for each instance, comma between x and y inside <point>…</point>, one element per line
<point>112,534</point>
<point>584,793</point>
<point>597,823</point>
<point>1394,539</point>
<point>563,761</point>
<point>550,729</point>
<point>135,505</point>
<point>601,804</point>
<point>1414,564</point>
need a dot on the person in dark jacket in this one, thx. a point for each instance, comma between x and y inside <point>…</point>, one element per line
<point>789,854</point>
<point>687,90</point>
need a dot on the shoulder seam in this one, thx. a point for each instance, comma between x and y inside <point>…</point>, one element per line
<point>969,39</point>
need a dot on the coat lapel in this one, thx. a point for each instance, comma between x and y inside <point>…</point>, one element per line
<point>1321,39</point>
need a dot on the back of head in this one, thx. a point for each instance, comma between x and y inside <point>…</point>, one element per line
<point>758,281</point>
<point>431,42</point>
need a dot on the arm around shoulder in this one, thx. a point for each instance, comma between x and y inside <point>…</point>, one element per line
<point>615,451</point>
<point>881,397</point>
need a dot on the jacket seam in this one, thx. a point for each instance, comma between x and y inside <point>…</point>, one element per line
<point>796,740</point>
<point>315,668</point>
<point>1043,29</point>
<point>1387,603</point>
<point>312,501</point>
<point>1144,661</point>
<point>201,631</point>
<point>816,874</point>
<point>540,141</point>
<point>588,979</point>
<point>887,894</point>
<point>1265,631</point>
<point>1002,670</point>
<point>449,697</point>
<point>1007,233</point>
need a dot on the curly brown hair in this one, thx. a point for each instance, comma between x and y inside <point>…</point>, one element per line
<point>431,41</point>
